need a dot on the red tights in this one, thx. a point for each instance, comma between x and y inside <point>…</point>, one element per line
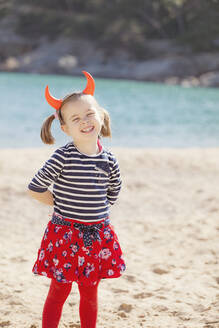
<point>57,295</point>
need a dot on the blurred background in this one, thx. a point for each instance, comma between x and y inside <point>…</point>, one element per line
<point>155,63</point>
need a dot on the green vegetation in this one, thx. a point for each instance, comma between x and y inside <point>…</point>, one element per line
<point>5,8</point>
<point>122,24</point>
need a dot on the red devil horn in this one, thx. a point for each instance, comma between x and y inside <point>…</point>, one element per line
<point>90,87</point>
<point>54,102</point>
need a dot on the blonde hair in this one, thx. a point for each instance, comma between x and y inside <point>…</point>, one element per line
<point>46,134</point>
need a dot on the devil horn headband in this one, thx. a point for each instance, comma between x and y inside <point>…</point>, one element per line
<point>89,90</point>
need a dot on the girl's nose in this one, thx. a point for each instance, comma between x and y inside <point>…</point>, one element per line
<point>85,119</point>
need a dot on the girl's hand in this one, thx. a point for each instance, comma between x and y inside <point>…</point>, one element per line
<point>45,197</point>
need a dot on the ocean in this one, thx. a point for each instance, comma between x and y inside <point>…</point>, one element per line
<point>143,114</point>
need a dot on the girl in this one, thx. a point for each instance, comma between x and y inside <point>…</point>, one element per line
<point>79,243</point>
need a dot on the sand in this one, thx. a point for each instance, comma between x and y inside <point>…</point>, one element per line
<point>167,221</point>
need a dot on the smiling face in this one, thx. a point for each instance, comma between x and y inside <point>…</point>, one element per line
<point>82,119</point>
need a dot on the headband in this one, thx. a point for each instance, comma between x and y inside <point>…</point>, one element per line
<point>56,103</point>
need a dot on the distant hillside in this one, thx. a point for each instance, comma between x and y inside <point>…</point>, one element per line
<point>124,24</point>
<point>148,40</point>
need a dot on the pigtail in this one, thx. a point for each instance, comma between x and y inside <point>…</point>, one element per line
<point>105,130</point>
<point>45,134</point>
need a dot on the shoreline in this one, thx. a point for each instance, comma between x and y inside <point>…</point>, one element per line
<point>206,80</point>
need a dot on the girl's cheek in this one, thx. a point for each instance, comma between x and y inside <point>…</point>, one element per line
<point>75,124</point>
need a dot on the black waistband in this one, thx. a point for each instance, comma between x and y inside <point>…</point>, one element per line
<point>90,232</point>
<point>57,219</point>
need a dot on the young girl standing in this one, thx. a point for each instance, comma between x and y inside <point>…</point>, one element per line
<point>79,243</point>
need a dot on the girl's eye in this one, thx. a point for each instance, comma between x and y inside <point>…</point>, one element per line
<point>76,120</point>
<point>90,114</point>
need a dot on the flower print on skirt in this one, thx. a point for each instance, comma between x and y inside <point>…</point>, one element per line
<point>79,252</point>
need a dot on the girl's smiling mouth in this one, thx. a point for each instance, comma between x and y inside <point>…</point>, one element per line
<point>88,130</point>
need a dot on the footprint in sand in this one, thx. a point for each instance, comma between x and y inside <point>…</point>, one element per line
<point>178,301</point>
<point>161,297</point>
<point>158,270</point>
<point>5,323</point>
<point>74,325</point>
<point>130,278</point>
<point>200,308</point>
<point>160,308</point>
<point>15,303</point>
<point>18,259</point>
<point>217,280</point>
<point>142,295</point>
<point>125,307</point>
<point>181,315</point>
<point>4,296</point>
<point>71,303</point>
<point>118,290</point>
<point>122,314</point>
<point>141,316</point>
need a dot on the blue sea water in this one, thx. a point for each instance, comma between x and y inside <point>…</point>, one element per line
<point>143,114</point>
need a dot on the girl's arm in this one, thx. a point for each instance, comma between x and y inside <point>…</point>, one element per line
<point>45,197</point>
<point>38,187</point>
<point>115,183</point>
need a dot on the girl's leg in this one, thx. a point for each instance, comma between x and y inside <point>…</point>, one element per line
<point>57,295</point>
<point>88,306</point>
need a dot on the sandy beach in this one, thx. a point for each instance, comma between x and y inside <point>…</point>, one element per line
<point>167,221</point>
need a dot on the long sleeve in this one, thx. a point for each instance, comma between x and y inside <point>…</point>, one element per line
<point>48,173</point>
<point>115,183</point>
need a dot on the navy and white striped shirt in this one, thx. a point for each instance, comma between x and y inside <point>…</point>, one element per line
<point>84,186</point>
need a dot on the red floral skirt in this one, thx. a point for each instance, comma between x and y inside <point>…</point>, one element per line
<point>81,252</point>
